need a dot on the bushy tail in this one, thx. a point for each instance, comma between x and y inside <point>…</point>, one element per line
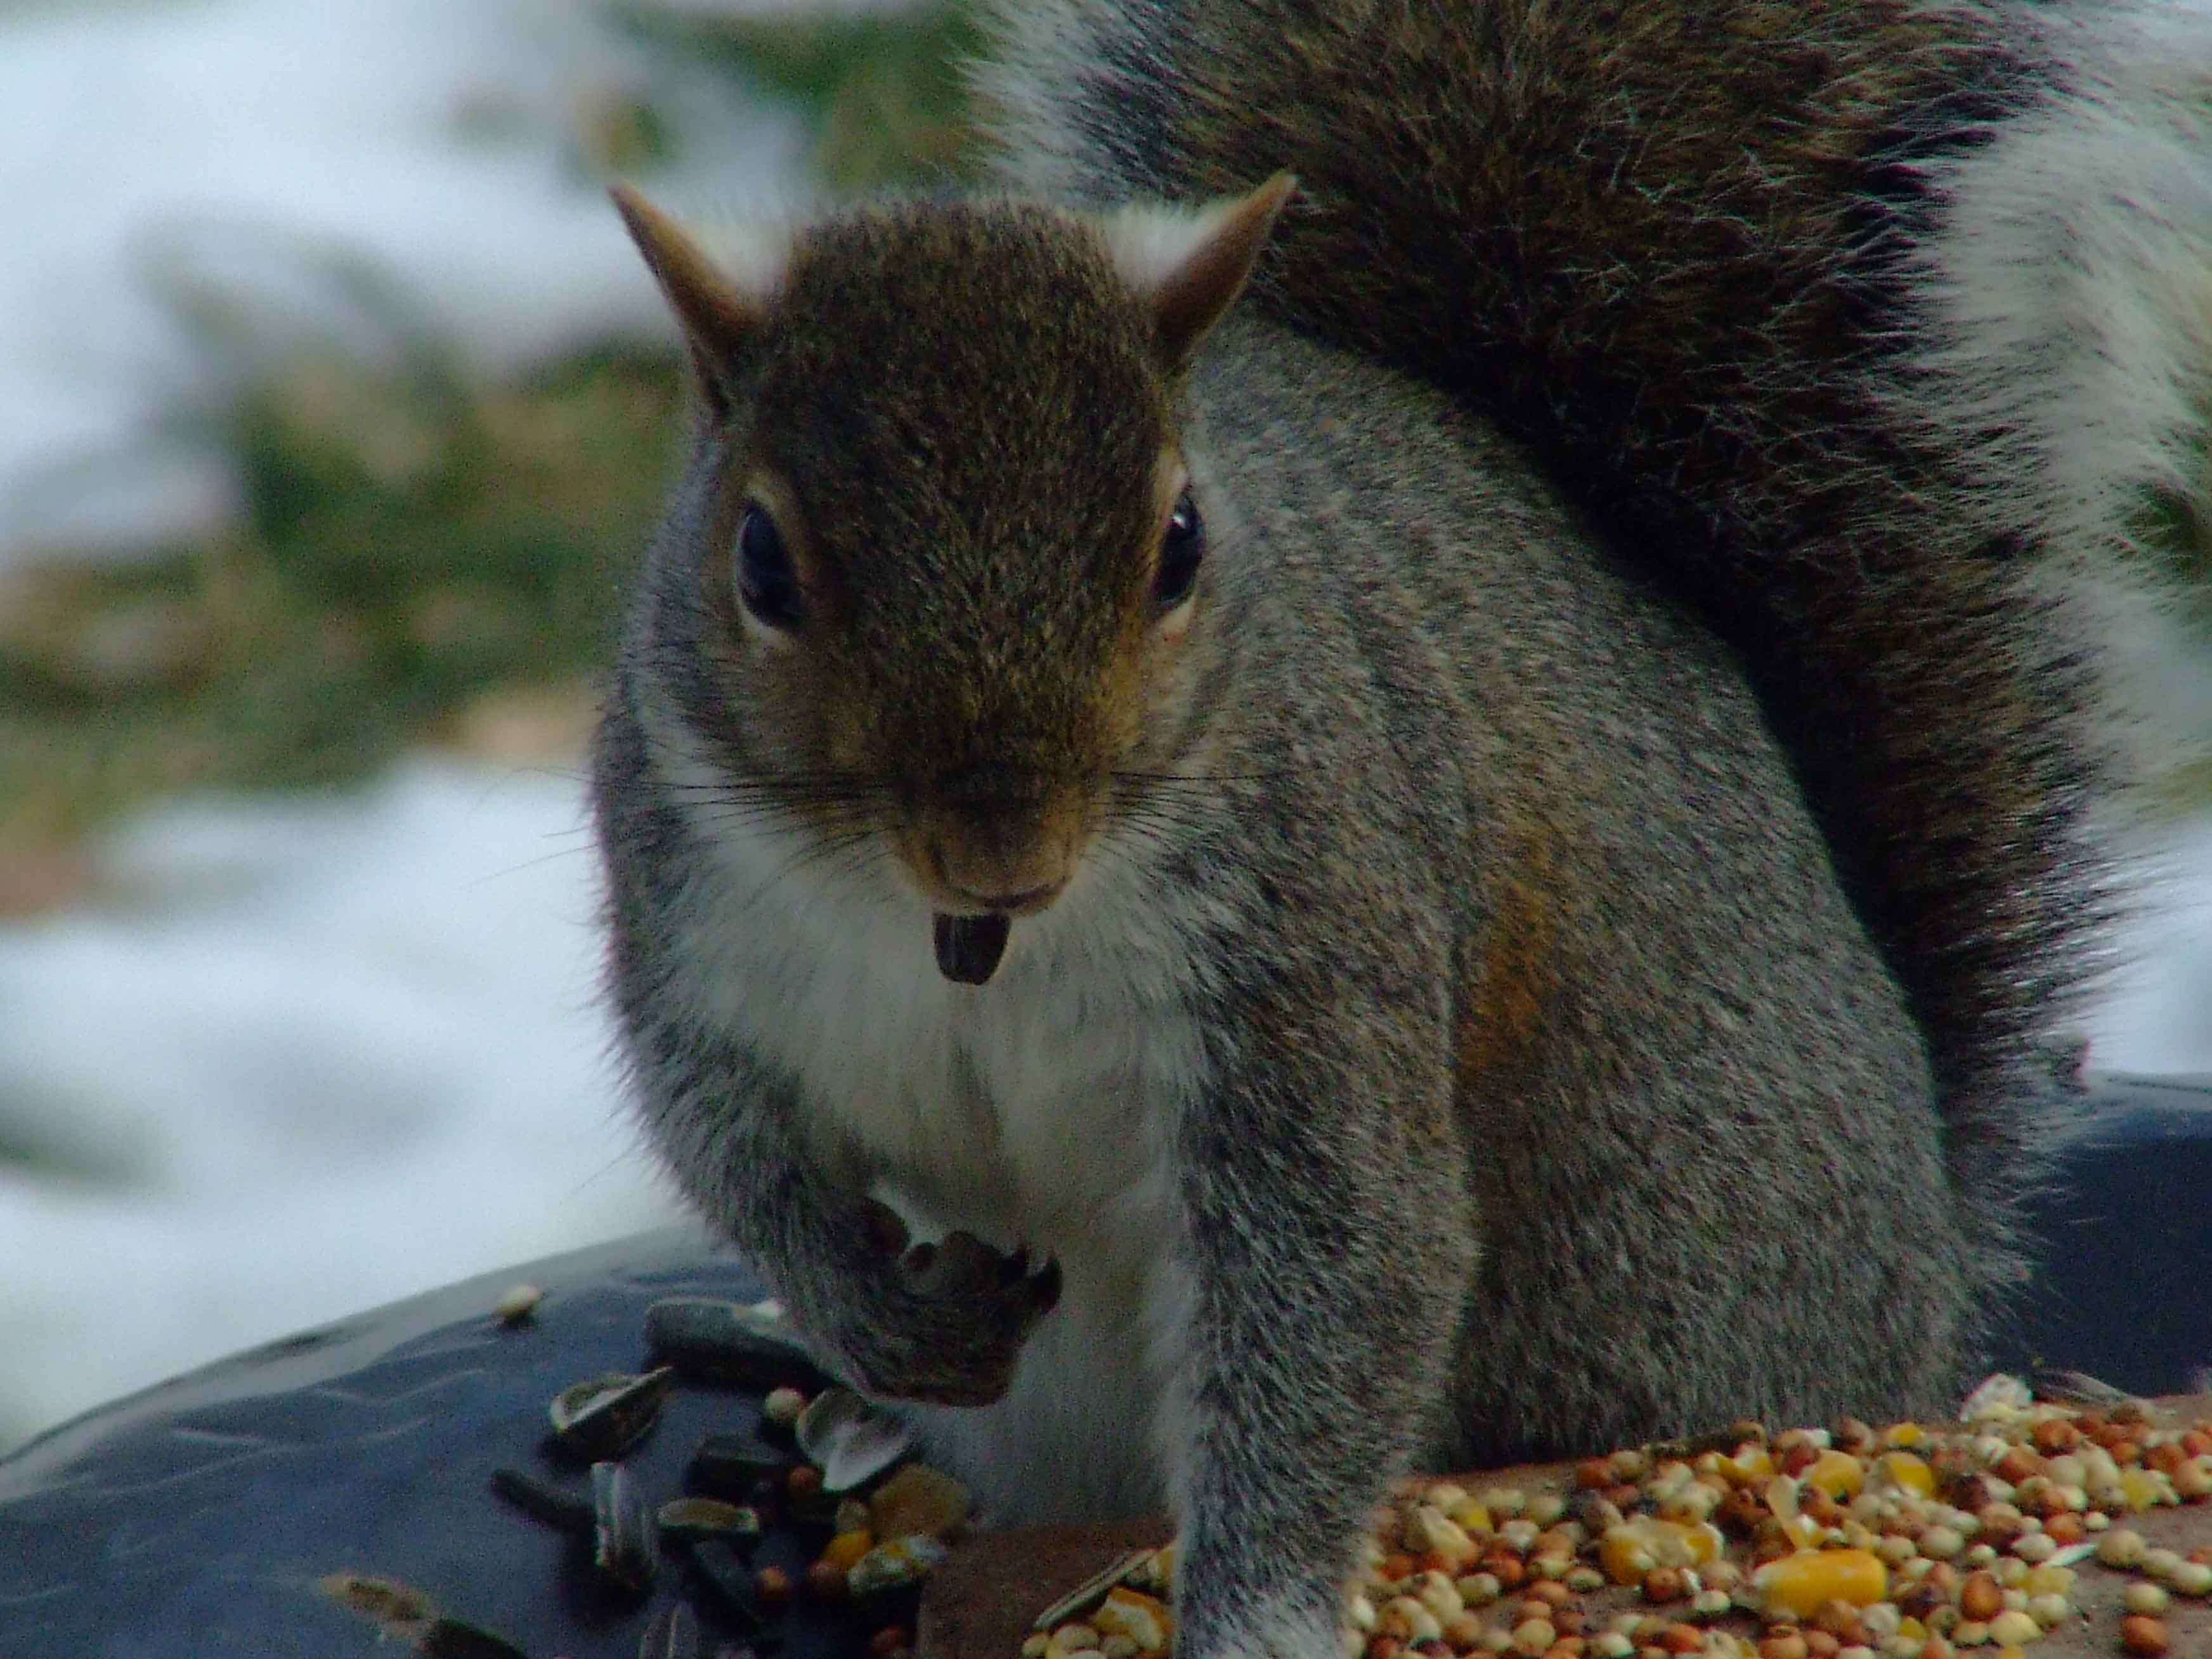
<point>1803,301</point>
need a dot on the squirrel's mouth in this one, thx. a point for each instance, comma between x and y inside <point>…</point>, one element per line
<point>968,947</point>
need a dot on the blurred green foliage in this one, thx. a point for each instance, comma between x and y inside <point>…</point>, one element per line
<point>883,90</point>
<point>413,546</point>
<point>404,550</point>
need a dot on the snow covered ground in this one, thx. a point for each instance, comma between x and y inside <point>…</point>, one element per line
<point>304,1056</point>
<point>154,147</point>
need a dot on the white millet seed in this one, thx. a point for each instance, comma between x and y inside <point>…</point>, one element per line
<point>2192,1578</point>
<point>517,1302</point>
<point>1709,1604</point>
<point>1980,1555</point>
<point>783,1406</point>
<point>1545,1507</point>
<point>2148,1599</point>
<point>1895,1549</point>
<point>1479,1589</point>
<point>2012,1628</point>
<point>1496,1639</point>
<point>2095,1521</point>
<point>1941,1542</point>
<point>1612,1644</point>
<point>1583,1580</point>
<point>2160,1563</point>
<point>1503,1501</point>
<point>1969,1633</point>
<point>2034,1547</point>
<point>1404,1617</point>
<point>1534,1636</point>
<point>1882,1620</point>
<point>2123,1549</point>
<point>1362,1613</point>
<point>1519,1533</point>
<point>1436,1592</point>
<point>2050,1611</point>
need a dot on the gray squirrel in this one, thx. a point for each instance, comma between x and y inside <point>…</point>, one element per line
<point>1259,832</point>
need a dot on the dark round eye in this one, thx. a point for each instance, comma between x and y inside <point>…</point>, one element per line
<point>1181,549</point>
<point>766,581</point>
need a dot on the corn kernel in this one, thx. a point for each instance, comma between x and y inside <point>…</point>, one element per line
<point>1752,1463</point>
<point>1798,1583</point>
<point>1840,1474</point>
<point>2143,1487</point>
<point>847,1547</point>
<point>1429,1531</point>
<point>1471,1516</point>
<point>1142,1618</point>
<point>1903,1434</point>
<point>1631,1549</point>
<point>1902,1468</point>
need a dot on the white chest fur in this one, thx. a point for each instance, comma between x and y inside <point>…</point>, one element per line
<point>1034,1110</point>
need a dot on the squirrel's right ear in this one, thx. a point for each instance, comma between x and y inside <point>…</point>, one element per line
<point>1189,267</point>
<point>718,313</point>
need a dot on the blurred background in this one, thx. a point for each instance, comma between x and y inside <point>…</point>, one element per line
<point>333,407</point>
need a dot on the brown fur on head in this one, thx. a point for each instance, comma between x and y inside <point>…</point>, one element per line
<point>960,420</point>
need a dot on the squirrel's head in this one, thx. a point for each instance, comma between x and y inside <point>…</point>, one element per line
<point>949,567</point>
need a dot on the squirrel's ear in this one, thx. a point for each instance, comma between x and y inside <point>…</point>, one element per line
<point>718,312</point>
<point>1190,267</point>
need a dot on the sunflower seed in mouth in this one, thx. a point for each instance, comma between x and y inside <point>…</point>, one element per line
<point>968,947</point>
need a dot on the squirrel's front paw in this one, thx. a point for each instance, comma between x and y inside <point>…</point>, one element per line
<point>948,1321</point>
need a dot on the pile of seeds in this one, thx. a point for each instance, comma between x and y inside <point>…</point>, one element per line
<point>1910,1542</point>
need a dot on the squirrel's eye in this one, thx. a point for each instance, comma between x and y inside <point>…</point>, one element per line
<point>1181,549</point>
<point>766,581</point>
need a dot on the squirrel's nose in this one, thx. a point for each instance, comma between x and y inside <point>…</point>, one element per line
<point>1005,856</point>
<point>1025,902</point>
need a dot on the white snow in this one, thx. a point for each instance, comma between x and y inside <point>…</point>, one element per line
<point>243,148</point>
<point>313,1056</point>
<point>2157,1016</point>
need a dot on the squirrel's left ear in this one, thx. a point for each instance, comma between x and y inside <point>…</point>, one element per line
<point>718,312</point>
<point>1189,267</point>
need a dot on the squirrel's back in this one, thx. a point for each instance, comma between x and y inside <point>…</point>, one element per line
<point>1758,283</point>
